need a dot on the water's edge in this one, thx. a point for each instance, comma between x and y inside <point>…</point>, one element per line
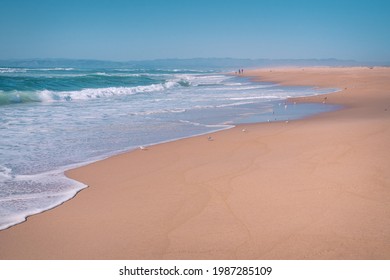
<point>79,186</point>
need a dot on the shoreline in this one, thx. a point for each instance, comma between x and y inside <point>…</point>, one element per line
<point>64,169</point>
<point>175,237</point>
<point>102,158</point>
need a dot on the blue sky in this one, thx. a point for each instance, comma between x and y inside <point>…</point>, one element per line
<point>142,29</point>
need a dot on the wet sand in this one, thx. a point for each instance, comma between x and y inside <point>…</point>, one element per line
<point>317,188</point>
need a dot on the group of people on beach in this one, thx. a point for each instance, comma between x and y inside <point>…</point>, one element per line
<point>240,71</point>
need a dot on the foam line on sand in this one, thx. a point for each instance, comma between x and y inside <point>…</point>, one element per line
<point>317,188</point>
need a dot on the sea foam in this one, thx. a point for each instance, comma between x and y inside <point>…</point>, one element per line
<point>53,119</point>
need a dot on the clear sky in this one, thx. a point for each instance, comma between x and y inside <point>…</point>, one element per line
<point>150,29</point>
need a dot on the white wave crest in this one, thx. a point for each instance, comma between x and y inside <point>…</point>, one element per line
<point>160,111</point>
<point>254,97</point>
<point>24,70</point>
<point>52,69</point>
<point>234,104</point>
<point>93,93</point>
<point>5,173</point>
<point>12,70</point>
<point>205,125</point>
<point>118,74</point>
<point>199,80</point>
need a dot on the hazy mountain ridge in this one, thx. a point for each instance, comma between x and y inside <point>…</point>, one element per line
<point>194,63</point>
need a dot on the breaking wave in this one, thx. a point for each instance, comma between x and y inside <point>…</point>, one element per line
<point>13,97</point>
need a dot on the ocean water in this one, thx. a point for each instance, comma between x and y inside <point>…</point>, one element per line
<point>53,119</point>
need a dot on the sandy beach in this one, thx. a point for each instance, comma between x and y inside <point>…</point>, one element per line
<point>317,188</point>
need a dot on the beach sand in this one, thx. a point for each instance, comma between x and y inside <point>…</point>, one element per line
<point>317,188</point>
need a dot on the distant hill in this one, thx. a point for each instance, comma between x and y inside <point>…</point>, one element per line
<point>194,63</point>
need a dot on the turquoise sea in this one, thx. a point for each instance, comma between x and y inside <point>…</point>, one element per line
<point>53,119</point>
